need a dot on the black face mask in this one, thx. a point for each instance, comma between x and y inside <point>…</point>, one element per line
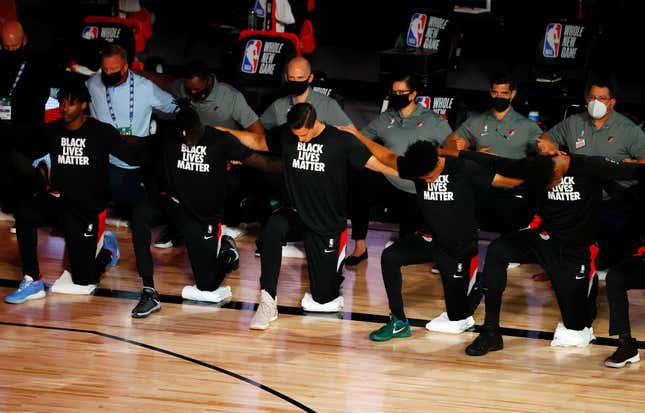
<point>501,104</point>
<point>112,79</point>
<point>398,102</point>
<point>201,95</point>
<point>294,88</point>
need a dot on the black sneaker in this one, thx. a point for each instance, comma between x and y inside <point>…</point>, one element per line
<point>148,303</point>
<point>486,341</point>
<point>627,352</point>
<point>228,256</point>
<point>167,240</point>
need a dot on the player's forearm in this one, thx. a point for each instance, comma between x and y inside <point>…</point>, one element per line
<point>251,140</point>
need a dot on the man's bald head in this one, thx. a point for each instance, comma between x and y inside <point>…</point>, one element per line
<point>13,36</point>
<point>298,69</point>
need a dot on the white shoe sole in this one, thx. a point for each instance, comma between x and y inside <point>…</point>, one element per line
<point>262,326</point>
<point>164,245</point>
<point>634,359</point>
<point>37,296</point>
<point>512,265</point>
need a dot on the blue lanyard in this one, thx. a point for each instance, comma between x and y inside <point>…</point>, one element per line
<point>111,109</point>
<point>17,79</point>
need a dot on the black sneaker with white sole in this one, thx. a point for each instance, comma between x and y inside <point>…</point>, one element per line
<point>228,257</point>
<point>487,340</point>
<point>167,239</point>
<point>148,303</point>
<point>627,352</point>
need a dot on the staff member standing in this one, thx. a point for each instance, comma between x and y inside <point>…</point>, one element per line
<point>24,90</point>
<point>403,123</point>
<point>504,132</point>
<point>125,100</point>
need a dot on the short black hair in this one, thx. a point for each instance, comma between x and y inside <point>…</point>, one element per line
<point>186,119</point>
<point>601,81</point>
<point>301,115</point>
<point>420,158</point>
<point>502,78</point>
<point>73,91</point>
<point>197,68</point>
<point>113,49</point>
<point>413,82</point>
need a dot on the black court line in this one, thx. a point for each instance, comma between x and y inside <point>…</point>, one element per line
<point>366,317</point>
<point>172,354</point>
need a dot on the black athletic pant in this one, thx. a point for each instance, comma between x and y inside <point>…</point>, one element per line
<point>627,275</point>
<point>325,255</point>
<point>83,236</point>
<point>368,188</point>
<point>202,241</point>
<point>503,210</point>
<point>126,186</point>
<point>458,275</point>
<point>571,268</point>
<point>620,219</point>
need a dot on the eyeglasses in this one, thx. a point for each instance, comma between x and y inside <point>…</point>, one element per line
<point>400,92</point>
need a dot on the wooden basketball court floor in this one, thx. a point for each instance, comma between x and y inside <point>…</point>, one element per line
<point>85,353</point>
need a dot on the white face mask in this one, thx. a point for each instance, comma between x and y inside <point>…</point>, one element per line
<point>596,109</point>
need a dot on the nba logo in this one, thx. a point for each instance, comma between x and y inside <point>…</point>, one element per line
<point>416,29</point>
<point>251,56</point>
<point>424,101</point>
<point>552,40</point>
<point>259,9</point>
<point>90,32</point>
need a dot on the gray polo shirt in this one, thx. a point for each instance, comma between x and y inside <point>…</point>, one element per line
<point>617,139</point>
<point>508,137</point>
<point>224,106</point>
<point>398,133</point>
<point>327,111</point>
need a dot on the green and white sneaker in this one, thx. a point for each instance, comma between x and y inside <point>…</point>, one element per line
<point>395,328</point>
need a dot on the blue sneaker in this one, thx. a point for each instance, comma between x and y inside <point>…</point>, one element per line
<point>27,290</point>
<point>110,244</point>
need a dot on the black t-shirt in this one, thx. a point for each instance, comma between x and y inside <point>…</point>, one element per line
<point>80,162</point>
<point>448,203</point>
<point>569,211</point>
<point>315,174</point>
<point>196,175</point>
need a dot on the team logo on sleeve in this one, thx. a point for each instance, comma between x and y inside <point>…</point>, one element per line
<point>252,56</point>
<point>552,40</point>
<point>416,29</point>
<point>90,32</point>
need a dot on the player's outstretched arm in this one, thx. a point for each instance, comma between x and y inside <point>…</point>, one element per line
<point>251,140</point>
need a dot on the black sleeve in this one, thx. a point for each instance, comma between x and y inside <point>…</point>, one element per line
<point>357,153</point>
<point>232,147</point>
<point>264,163</point>
<point>480,177</point>
<point>512,168</point>
<point>274,139</point>
<point>606,169</point>
<point>131,150</point>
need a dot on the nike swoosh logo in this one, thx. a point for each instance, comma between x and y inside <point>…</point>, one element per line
<point>327,251</point>
<point>398,330</point>
<point>457,276</point>
<point>580,277</point>
<point>208,237</point>
<point>87,235</point>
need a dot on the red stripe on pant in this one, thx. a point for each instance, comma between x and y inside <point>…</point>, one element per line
<point>342,247</point>
<point>472,276</point>
<point>593,253</point>
<point>100,231</point>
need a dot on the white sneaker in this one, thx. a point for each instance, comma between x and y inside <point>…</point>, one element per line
<point>6,217</point>
<point>435,270</point>
<point>65,285</point>
<point>294,250</point>
<point>601,274</point>
<point>13,229</point>
<point>443,324</point>
<point>117,222</point>
<point>233,232</point>
<point>309,304</point>
<point>266,313</point>
<point>564,337</point>
<point>512,265</point>
<point>190,292</point>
